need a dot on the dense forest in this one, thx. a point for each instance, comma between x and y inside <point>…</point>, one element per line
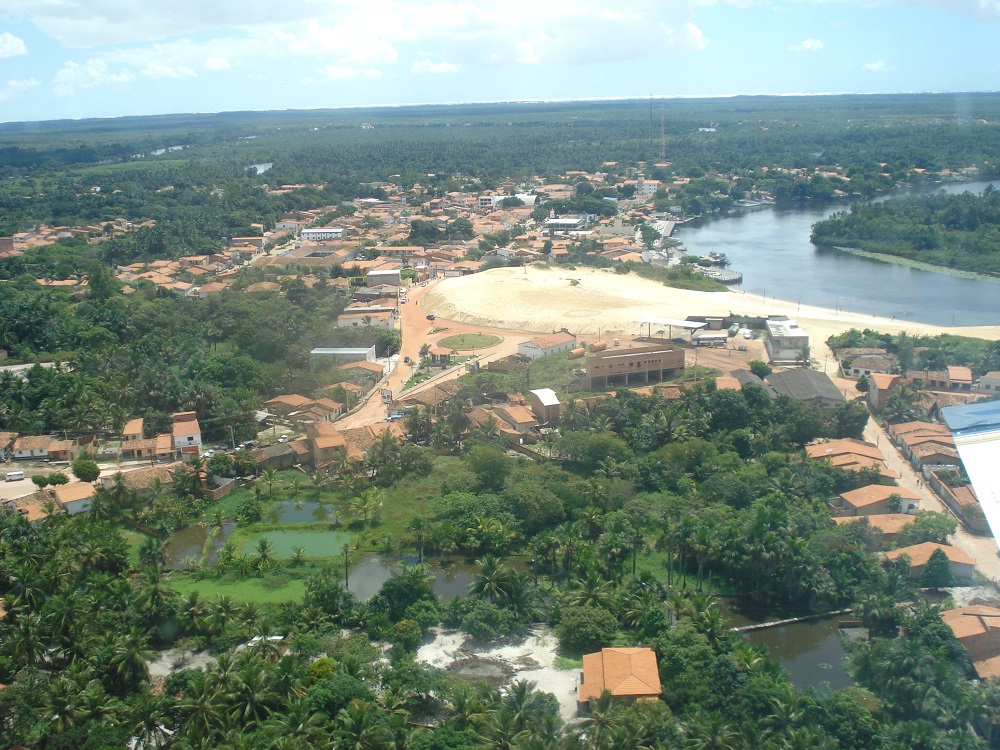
<point>955,231</point>
<point>152,353</point>
<point>644,507</point>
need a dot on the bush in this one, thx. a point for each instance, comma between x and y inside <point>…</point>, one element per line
<point>249,510</point>
<point>58,479</point>
<point>332,694</point>
<point>486,621</point>
<point>585,629</point>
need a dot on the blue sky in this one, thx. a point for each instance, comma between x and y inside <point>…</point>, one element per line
<point>101,58</point>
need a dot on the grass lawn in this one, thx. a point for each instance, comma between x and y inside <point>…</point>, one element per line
<point>466,341</point>
<point>250,590</point>
<point>316,543</point>
<point>134,539</point>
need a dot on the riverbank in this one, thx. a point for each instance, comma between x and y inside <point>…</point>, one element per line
<point>909,263</point>
<point>600,303</point>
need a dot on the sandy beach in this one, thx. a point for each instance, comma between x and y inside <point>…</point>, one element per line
<point>601,302</point>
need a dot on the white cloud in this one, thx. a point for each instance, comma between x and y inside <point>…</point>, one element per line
<point>426,66</point>
<point>158,70</point>
<point>875,66</point>
<point>90,74</point>
<point>217,63</point>
<point>12,46</point>
<point>807,45</point>
<point>339,72</point>
<point>14,87</point>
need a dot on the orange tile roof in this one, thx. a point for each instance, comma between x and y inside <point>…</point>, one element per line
<point>67,493</point>
<point>920,554</point>
<point>887,523</point>
<point>627,672</point>
<point>876,493</point>
<point>970,621</point>
<point>846,445</point>
<point>552,339</point>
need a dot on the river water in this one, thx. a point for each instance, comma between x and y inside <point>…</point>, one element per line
<point>771,247</point>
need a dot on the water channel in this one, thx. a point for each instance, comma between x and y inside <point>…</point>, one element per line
<point>771,247</point>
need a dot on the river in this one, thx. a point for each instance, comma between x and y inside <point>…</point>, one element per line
<point>771,247</point>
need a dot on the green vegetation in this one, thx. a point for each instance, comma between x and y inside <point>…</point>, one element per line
<point>629,514</point>
<point>961,232</point>
<point>925,352</point>
<point>464,342</point>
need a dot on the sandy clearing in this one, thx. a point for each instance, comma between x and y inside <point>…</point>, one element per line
<point>603,302</point>
<point>531,659</point>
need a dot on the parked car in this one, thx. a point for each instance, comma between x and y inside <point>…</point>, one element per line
<point>432,316</point>
<point>406,360</point>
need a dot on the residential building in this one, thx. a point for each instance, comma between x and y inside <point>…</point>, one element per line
<point>629,674</point>
<point>6,444</point>
<point>990,383</point>
<point>869,364</point>
<point>876,499</point>
<point>806,385</point>
<point>283,406</point>
<point>962,565</point>
<point>133,429</point>
<point>954,379</point>
<point>851,455</point>
<point>786,341</point>
<point>545,346</point>
<point>880,387</point>
<point>888,524</point>
<point>34,446</point>
<point>645,361</point>
<point>74,497</point>
<point>519,417</point>
<point>326,443</point>
<point>545,406</point>
<point>977,628</point>
<point>186,434</point>
<point>356,318</point>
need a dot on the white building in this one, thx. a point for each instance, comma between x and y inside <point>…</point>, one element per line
<point>186,434</point>
<point>322,233</point>
<point>544,346</point>
<point>786,340</point>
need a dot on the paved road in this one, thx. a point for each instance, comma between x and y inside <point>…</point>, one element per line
<point>982,549</point>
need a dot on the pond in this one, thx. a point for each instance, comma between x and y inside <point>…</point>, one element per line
<point>811,652</point>
<point>300,511</point>
<point>371,571</point>
<point>190,542</point>
<point>315,543</point>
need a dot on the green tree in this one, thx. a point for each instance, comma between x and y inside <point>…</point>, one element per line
<point>85,469</point>
<point>937,573</point>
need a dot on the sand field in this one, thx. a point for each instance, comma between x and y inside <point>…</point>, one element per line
<point>604,303</point>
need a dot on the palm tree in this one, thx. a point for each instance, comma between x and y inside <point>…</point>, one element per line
<point>269,477</point>
<point>493,580</point>
<point>359,727</point>
<point>266,556</point>
<point>599,722</point>
<point>298,723</point>
<point>203,706</point>
<point>129,656</point>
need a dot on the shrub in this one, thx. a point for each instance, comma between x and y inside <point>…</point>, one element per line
<point>585,629</point>
<point>486,621</point>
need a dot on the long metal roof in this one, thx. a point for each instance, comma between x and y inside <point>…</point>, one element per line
<point>976,430</point>
<point>692,325</point>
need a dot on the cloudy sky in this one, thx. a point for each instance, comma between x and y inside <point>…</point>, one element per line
<point>99,58</point>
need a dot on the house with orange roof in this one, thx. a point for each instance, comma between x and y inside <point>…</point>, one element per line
<point>962,565</point>
<point>520,418</point>
<point>630,674</point>
<point>880,387</point>
<point>133,429</point>
<point>282,406</point>
<point>74,497</point>
<point>889,524</point>
<point>977,628</point>
<point>325,443</point>
<point>876,499</point>
<point>186,434</point>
